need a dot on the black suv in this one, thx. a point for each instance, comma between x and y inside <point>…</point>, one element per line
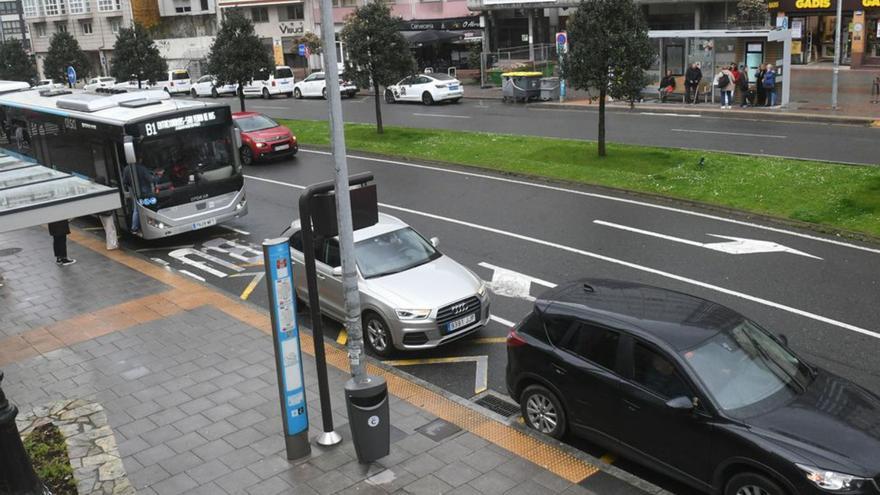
<point>693,389</point>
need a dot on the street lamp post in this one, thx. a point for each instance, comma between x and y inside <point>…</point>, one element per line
<point>837,36</point>
<point>17,475</point>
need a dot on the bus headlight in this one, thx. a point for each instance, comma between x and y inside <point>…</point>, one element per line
<point>152,222</point>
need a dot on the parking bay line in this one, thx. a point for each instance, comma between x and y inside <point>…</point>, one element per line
<point>601,196</point>
<point>723,133</point>
<point>608,259</point>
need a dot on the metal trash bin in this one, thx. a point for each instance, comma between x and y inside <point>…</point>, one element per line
<point>518,86</point>
<point>549,88</point>
<point>368,417</point>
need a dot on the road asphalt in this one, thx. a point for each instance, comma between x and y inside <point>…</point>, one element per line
<point>795,138</point>
<point>819,291</point>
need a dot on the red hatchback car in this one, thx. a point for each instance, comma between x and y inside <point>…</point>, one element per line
<point>262,137</point>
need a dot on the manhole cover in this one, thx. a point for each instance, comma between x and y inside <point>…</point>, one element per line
<point>438,430</point>
<point>9,251</point>
<point>498,405</point>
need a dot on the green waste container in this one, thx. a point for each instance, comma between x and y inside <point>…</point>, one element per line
<point>495,77</point>
<point>516,86</point>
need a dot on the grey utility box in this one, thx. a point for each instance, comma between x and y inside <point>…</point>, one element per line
<point>549,88</point>
<point>368,416</point>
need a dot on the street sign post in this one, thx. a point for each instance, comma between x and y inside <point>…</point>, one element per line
<point>561,50</point>
<point>71,75</point>
<point>288,354</point>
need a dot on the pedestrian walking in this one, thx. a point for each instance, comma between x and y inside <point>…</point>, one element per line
<point>761,93</point>
<point>692,79</point>
<point>744,86</point>
<point>770,85</point>
<point>59,231</point>
<point>667,86</point>
<point>725,82</point>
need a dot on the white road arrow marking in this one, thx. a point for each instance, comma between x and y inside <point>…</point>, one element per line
<point>234,249</point>
<point>513,284</point>
<point>734,245</point>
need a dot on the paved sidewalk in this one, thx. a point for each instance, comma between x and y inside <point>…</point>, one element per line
<point>185,374</point>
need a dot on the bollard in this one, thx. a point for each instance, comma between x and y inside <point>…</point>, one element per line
<point>17,476</point>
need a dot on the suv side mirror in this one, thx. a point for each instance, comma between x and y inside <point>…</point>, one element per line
<point>680,404</point>
<point>435,241</point>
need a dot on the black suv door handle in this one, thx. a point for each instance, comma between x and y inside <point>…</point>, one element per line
<point>559,369</point>
<point>632,406</point>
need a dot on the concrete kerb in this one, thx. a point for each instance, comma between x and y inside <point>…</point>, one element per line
<point>734,213</point>
<point>377,365</point>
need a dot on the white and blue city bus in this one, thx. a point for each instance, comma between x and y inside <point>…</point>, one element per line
<point>174,163</point>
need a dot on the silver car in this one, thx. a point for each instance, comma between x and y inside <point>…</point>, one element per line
<point>412,296</point>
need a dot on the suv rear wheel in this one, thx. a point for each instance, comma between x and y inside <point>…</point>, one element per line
<point>543,411</point>
<point>752,484</point>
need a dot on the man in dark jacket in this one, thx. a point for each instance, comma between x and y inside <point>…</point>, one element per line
<point>692,78</point>
<point>58,231</point>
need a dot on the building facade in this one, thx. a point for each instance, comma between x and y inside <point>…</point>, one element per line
<point>12,24</point>
<point>94,23</point>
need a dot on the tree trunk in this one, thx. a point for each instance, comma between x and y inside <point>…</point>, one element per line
<point>602,121</point>
<point>378,95</point>
<point>241,95</point>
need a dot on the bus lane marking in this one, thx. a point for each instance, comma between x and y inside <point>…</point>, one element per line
<point>615,261</point>
<point>185,256</point>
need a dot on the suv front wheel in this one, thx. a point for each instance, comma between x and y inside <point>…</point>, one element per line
<point>752,484</point>
<point>543,411</point>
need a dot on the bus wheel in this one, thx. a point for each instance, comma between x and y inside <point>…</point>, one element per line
<point>247,156</point>
<point>265,94</point>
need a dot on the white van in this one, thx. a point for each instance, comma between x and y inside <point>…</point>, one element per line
<point>278,81</point>
<point>176,81</point>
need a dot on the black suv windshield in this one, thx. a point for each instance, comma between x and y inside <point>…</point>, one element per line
<point>745,367</point>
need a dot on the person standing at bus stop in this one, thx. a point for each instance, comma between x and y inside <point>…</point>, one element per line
<point>59,231</point>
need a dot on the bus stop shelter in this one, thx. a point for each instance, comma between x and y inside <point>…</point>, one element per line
<point>714,48</point>
<point>31,194</point>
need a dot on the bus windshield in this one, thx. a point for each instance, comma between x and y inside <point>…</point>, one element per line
<point>184,166</point>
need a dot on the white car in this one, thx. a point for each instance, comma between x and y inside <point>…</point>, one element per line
<point>426,88</point>
<point>207,86</point>
<point>278,81</point>
<point>175,81</point>
<point>99,82</point>
<point>47,84</point>
<point>316,85</point>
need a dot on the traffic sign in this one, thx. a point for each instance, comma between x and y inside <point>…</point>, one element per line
<point>302,50</point>
<point>562,42</point>
<point>71,75</point>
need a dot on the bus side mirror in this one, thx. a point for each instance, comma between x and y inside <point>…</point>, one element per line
<point>128,146</point>
<point>237,137</point>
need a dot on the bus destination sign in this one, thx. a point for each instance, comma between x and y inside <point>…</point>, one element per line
<point>180,123</point>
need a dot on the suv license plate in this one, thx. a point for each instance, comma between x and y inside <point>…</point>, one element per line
<point>282,147</point>
<point>204,223</point>
<point>461,322</point>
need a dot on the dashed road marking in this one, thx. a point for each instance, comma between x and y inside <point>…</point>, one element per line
<point>489,340</point>
<point>725,133</point>
<point>252,285</point>
<point>342,338</point>
<point>506,323</point>
<point>193,275</point>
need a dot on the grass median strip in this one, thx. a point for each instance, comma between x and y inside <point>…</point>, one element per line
<point>833,195</point>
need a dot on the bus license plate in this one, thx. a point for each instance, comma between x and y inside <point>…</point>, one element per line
<point>204,223</point>
<point>461,322</point>
<point>282,147</point>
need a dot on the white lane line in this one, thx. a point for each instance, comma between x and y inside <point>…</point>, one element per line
<point>233,229</point>
<point>270,107</point>
<point>530,278</point>
<point>616,261</point>
<point>441,115</point>
<point>692,115</point>
<point>191,274</point>
<point>603,196</point>
<point>744,134</point>
<point>501,320</point>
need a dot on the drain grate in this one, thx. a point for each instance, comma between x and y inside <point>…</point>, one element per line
<point>498,405</point>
